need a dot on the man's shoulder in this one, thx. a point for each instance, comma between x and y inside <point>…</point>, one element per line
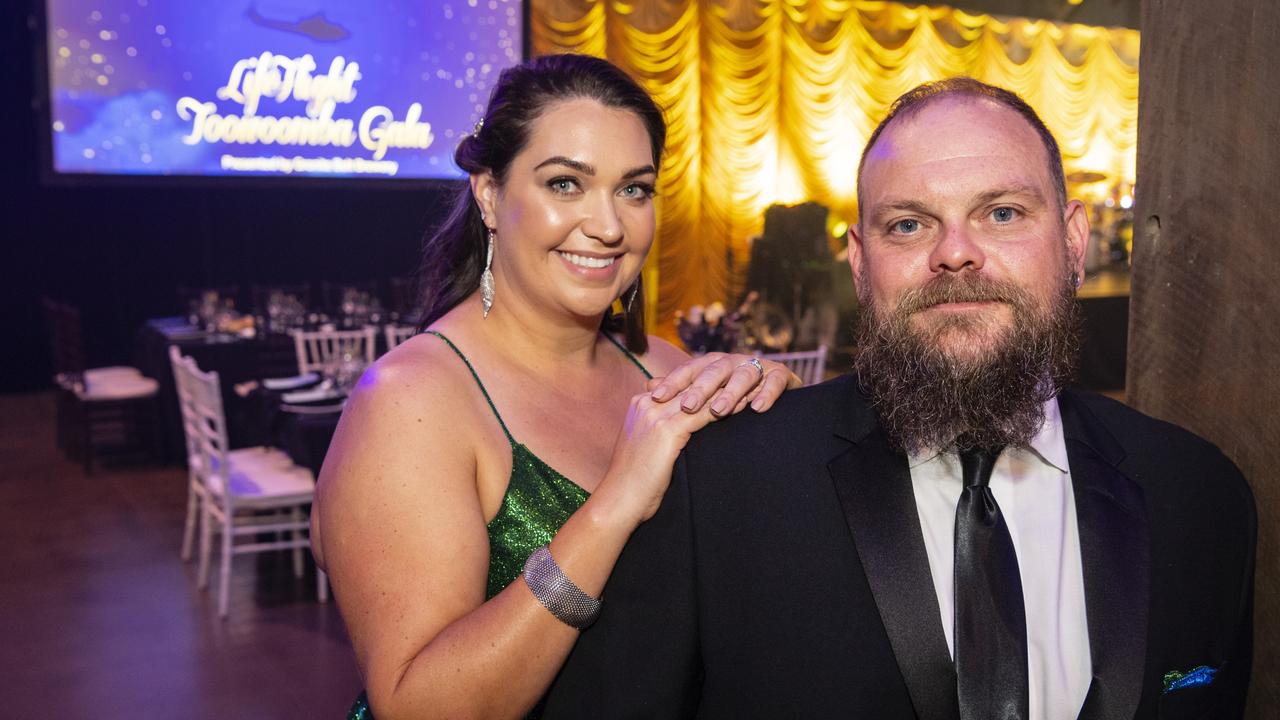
<point>1138,432</point>
<point>1160,452</point>
<point>811,411</point>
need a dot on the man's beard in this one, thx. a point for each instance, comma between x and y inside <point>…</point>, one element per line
<point>928,398</point>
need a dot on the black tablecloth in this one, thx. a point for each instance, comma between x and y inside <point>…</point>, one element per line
<point>235,359</point>
<point>306,438</point>
<point>304,434</point>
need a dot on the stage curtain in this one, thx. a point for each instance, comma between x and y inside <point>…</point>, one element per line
<point>772,101</point>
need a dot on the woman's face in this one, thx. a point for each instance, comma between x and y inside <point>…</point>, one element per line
<point>574,219</point>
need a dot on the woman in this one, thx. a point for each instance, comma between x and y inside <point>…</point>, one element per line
<point>439,488</point>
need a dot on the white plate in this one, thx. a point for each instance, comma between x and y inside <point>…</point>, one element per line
<point>312,396</point>
<point>314,409</point>
<point>289,383</point>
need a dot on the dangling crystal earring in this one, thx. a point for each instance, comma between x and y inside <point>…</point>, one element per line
<point>635,289</point>
<point>486,278</point>
<point>1075,280</point>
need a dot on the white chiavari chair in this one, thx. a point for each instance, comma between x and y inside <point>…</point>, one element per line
<point>397,334</point>
<point>810,365</point>
<point>191,431</point>
<point>244,493</point>
<point>325,351</point>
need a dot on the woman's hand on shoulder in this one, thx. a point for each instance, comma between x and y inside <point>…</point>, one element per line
<point>725,382</point>
<point>659,422</point>
<point>652,435</point>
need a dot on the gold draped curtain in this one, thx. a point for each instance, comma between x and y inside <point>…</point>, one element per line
<point>771,101</point>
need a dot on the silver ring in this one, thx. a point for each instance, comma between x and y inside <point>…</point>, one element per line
<point>755,363</point>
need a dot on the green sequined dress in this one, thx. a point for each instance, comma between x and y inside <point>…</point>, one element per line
<point>538,501</point>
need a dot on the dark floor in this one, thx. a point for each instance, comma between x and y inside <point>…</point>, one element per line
<point>100,618</point>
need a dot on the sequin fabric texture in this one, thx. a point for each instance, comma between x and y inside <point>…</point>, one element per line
<point>538,501</point>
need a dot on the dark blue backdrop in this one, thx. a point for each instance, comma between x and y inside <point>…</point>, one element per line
<point>133,83</point>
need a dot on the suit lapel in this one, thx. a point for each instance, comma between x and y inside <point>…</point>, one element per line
<point>1114,549</point>
<point>874,487</point>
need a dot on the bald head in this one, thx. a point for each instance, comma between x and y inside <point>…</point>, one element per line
<point>911,103</point>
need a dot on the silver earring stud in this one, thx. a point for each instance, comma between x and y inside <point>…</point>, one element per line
<point>1075,280</point>
<point>486,277</point>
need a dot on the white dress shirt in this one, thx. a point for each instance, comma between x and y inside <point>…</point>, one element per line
<point>1033,487</point>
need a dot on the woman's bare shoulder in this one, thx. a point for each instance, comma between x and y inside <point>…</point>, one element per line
<point>416,380</point>
<point>409,416</point>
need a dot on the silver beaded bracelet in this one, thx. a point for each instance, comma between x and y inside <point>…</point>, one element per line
<point>557,592</point>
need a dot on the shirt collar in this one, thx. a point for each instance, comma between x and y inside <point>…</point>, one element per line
<point>1048,445</point>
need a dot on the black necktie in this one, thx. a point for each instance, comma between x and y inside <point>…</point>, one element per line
<point>990,621</point>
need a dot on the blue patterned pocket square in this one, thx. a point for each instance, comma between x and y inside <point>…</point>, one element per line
<point>1177,680</point>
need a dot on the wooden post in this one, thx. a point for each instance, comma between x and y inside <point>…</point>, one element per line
<point>1204,331</point>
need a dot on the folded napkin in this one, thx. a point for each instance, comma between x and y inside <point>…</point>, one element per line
<point>180,333</point>
<point>322,409</point>
<point>312,396</point>
<point>291,383</point>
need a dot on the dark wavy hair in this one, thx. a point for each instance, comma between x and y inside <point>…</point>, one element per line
<point>453,256</point>
<point>921,96</point>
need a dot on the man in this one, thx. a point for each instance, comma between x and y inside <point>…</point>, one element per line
<point>946,533</point>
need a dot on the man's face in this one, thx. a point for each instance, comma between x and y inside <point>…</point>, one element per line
<point>961,225</point>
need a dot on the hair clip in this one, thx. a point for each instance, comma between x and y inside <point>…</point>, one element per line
<point>479,126</point>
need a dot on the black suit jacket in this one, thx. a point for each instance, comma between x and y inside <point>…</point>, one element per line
<point>785,575</point>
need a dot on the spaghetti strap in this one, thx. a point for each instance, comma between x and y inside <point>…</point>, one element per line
<point>630,357</point>
<point>484,392</point>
